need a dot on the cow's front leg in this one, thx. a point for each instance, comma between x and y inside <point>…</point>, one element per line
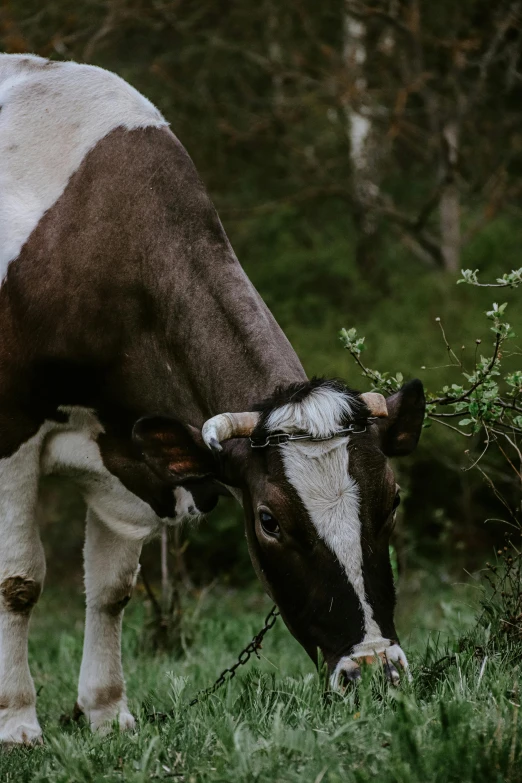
<point>22,571</point>
<point>111,567</point>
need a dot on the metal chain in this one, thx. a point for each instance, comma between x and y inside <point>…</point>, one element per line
<point>243,657</point>
<point>280,438</point>
<point>229,673</point>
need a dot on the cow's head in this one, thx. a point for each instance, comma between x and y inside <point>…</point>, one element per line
<point>319,509</point>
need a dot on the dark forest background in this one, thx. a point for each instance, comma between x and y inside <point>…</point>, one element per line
<point>359,154</point>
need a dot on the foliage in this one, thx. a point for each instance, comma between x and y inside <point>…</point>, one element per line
<point>497,632</point>
<point>486,400</point>
<point>263,95</point>
<point>273,722</point>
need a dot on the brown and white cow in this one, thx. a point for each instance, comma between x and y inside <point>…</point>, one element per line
<point>136,357</point>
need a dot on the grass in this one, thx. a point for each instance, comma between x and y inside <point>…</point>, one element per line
<point>455,722</point>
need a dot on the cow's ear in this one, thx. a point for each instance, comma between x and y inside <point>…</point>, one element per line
<point>400,430</point>
<point>174,451</point>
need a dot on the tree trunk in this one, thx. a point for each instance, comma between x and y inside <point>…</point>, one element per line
<point>365,146</point>
<point>449,205</point>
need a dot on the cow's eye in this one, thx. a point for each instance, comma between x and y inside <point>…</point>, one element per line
<point>397,501</point>
<point>269,523</point>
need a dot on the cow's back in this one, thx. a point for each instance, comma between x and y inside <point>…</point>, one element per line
<point>51,115</point>
<point>120,290</point>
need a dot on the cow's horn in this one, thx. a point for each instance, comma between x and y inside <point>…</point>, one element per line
<point>375,403</point>
<point>228,425</point>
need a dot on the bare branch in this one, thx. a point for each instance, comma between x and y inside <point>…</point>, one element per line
<point>475,95</point>
<point>110,23</point>
<point>148,589</point>
<point>426,240</point>
<point>455,429</point>
<point>452,400</point>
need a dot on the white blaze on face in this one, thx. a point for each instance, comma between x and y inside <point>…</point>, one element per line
<point>51,115</point>
<point>319,474</point>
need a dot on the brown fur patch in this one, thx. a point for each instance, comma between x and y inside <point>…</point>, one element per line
<point>119,596</point>
<point>17,702</point>
<point>105,697</point>
<point>114,608</point>
<point>20,594</point>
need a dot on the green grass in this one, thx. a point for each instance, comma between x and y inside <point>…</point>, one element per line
<point>273,722</point>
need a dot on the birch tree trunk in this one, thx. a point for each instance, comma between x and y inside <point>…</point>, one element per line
<point>365,149</point>
<point>449,205</point>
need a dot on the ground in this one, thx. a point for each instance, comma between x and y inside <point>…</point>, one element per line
<point>273,723</point>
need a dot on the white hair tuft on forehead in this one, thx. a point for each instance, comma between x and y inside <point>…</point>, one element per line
<point>321,413</point>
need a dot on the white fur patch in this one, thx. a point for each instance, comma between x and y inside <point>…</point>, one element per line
<point>319,474</point>
<point>51,115</point>
<point>319,414</point>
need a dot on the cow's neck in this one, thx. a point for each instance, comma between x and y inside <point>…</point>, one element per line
<point>168,317</point>
<point>223,348</point>
<point>214,345</point>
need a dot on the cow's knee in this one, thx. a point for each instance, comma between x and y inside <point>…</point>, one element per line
<point>20,593</point>
<point>118,598</point>
<point>110,593</point>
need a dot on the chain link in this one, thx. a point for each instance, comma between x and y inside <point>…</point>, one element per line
<point>243,657</point>
<point>229,673</point>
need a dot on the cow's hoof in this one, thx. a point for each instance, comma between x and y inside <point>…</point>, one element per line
<point>126,721</point>
<point>14,731</point>
<point>102,721</point>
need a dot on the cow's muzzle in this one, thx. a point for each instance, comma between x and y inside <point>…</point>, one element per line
<point>348,669</point>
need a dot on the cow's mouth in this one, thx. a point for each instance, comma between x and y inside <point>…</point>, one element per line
<point>348,669</point>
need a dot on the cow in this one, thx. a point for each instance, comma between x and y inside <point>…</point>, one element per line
<point>137,358</point>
